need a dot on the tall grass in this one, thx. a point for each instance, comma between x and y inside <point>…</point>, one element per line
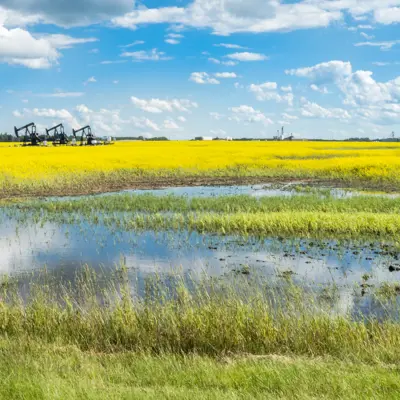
<point>180,315</point>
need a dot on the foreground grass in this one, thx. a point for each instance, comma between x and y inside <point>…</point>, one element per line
<point>187,339</point>
<point>33,370</point>
<point>180,315</point>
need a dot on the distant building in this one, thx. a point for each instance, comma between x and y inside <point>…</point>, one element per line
<point>203,138</point>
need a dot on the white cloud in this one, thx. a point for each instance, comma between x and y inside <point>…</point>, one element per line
<point>248,114</point>
<point>289,117</point>
<point>230,16</point>
<point>92,79</point>
<point>326,72</point>
<point>19,47</point>
<point>320,89</point>
<point>286,88</point>
<point>173,38</point>
<point>181,119</point>
<point>63,95</point>
<point>175,35</point>
<point>94,51</point>
<point>246,56</point>
<point>370,100</point>
<point>135,43</point>
<point>314,110</point>
<point>103,121</point>
<point>202,78</point>
<point>171,124</point>
<point>109,62</point>
<point>217,116</point>
<point>268,91</point>
<point>225,75</point>
<point>66,42</point>
<point>144,123</point>
<point>159,106</point>
<point>230,46</point>
<point>115,82</point>
<point>384,64</point>
<point>172,41</point>
<point>151,55</point>
<point>366,36</point>
<point>49,113</point>
<point>219,62</point>
<point>388,16</point>
<point>382,45</point>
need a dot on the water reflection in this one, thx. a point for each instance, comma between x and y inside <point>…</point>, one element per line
<point>261,190</point>
<point>65,248</point>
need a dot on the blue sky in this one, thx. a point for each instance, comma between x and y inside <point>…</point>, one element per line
<point>321,68</point>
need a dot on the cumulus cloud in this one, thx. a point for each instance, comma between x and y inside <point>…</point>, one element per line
<point>269,91</point>
<point>49,113</point>
<point>232,16</point>
<point>202,78</point>
<point>369,98</point>
<point>314,110</point>
<point>19,47</point>
<point>157,106</point>
<point>326,72</point>
<point>248,114</point>
<point>388,16</point>
<point>151,55</point>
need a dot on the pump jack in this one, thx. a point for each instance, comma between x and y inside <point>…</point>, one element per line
<point>87,137</point>
<point>30,135</point>
<point>59,137</point>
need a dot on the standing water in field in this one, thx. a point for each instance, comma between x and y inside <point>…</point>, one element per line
<point>65,248</point>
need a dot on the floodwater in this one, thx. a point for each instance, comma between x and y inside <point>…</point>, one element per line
<point>64,249</point>
<point>262,190</point>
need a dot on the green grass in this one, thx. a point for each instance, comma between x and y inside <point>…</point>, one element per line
<point>33,370</point>
<point>180,315</point>
<point>224,204</point>
<point>304,216</point>
<point>242,338</point>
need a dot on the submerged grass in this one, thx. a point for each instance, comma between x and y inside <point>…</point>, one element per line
<point>304,216</point>
<point>224,204</point>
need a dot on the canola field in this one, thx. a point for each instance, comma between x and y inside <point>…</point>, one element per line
<point>71,170</point>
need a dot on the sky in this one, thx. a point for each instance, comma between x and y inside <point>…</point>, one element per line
<point>184,68</point>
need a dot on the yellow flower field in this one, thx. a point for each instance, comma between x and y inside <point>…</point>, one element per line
<point>36,170</point>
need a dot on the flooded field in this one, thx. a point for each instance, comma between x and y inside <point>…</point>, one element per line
<point>353,267</point>
<point>260,190</point>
